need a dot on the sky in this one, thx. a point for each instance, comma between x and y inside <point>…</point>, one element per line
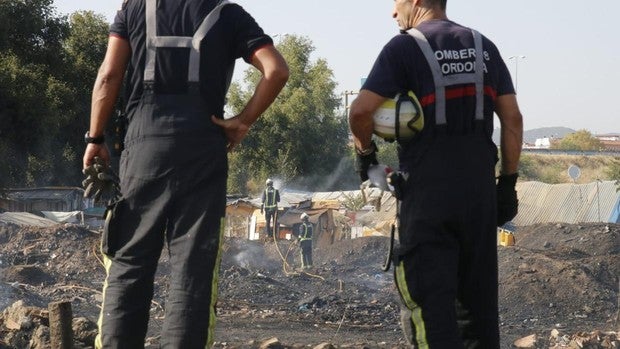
<point>566,54</point>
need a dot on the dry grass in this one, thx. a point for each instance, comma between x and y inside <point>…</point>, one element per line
<point>554,168</point>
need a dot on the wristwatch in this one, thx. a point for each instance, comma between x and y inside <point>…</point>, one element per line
<point>94,140</point>
<point>364,152</point>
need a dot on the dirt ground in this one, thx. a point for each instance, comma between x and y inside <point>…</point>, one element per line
<point>559,282</point>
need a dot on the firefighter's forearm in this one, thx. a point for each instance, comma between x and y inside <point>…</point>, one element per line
<point>361,117</point>
<point>511,141</point>
<point>104,97</point>
<point>361,128</point>
<point>108,84</point>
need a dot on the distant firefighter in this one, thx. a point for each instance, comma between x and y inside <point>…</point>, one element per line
<point>271,197</point>
<point>305,241</point>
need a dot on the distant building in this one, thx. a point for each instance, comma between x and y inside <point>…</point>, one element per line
<point>543,143</point>
<point>36,200</point>
<point>540,143</point>
<point>611,137</point>
<point>609,142</point>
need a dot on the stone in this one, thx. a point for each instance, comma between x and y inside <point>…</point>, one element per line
<point>526,342</point>
<point>271,343</point>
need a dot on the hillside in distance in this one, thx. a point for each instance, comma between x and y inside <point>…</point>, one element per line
<point>530,136</point>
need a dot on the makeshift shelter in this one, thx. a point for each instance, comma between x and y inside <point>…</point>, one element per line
<point>239,217</point>
<point>35,200</point>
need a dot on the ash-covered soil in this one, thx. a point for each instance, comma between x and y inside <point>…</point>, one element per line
<point>559,283</point>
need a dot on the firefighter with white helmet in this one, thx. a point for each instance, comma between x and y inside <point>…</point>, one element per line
<point>451,202</point>
<point>269,204</point>
<point>304,236</point>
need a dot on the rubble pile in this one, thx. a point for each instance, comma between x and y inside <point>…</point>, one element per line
<point>558,289</point>
<point>24,326</point>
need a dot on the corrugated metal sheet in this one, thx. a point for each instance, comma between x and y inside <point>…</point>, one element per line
<point>566,203</point>
<point>44,199</point>
<point>538,202</point>
<point>25,219</point>
<point>46,193</point>
<point>388,202</point>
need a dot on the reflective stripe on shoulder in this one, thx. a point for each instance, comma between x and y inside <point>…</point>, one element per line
<point>192,42</point>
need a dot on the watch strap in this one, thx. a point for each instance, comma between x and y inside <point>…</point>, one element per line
<point>94,140</point>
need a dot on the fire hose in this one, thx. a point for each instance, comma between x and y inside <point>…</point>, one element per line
<point>384,178</point>
<point>284,257</point>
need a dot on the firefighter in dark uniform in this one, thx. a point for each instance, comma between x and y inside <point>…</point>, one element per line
<point>179,57</point>
<point>304,237</point>
<point>446,264</point>
<point>270,199</point>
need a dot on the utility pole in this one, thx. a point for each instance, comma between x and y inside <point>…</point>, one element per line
<point>346,94</point>
<point>516,59</point>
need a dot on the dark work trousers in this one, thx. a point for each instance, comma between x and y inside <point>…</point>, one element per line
<point>270,218</point>
<point>446,270</point>
<point>173,180</point>
<point>306,253</point>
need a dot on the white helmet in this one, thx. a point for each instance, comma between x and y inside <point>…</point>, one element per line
<point>268,181</point>
<point>304,216</point>
<point>404,108</point>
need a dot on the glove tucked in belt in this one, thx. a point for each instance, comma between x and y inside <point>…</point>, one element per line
<point>364,159</point>
<point>101,181</point>
<point>507,203</point>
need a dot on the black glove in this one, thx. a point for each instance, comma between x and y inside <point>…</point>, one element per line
<point>101,181</point>
<point>507,203</point>
<point>363,160</point>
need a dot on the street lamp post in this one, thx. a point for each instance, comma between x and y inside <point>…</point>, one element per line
<point>346,101</point>
<point>516,59</point>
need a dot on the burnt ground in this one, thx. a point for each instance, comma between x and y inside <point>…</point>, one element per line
<point>559,282</point>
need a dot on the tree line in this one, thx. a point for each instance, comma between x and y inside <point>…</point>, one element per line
<point>47,68</point>
<point>48,64</point>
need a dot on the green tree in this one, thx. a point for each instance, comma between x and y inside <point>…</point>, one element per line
<point>580,140</point>
<point>30,47</point>
<point>31,30</point>
<point>300,139</point>
<point>47,68</point>
<point>613,173</point>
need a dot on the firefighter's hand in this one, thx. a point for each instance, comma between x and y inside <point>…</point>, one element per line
<point>101,182</point>
<point>234,129</point>
<point>507,203</point>
<point>363,160</point>
<point>95,150</point>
